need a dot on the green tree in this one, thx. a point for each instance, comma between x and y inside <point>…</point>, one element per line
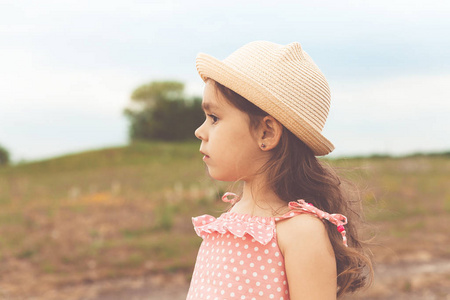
<point>4,156</point>
<point>160,111</point>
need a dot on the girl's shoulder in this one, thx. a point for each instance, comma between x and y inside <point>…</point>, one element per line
<point>301,231</point>
<point>300,219</point>
<point>307,221</point>
<point>309,256</point>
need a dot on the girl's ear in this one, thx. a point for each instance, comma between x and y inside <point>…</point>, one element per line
<point>269,133</point>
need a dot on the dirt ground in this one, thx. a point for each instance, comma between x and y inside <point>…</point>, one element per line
<point>423,279</point>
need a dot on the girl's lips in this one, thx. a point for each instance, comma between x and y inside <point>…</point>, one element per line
<point>205,155</point>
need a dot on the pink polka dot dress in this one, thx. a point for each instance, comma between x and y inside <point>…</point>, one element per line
<point>239,257</point>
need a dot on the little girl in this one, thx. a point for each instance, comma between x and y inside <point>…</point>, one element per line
<point>265,106</point>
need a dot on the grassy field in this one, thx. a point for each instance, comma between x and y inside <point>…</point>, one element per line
<point>126,211</point>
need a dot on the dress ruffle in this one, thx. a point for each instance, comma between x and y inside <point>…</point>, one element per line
<point>262,229</point>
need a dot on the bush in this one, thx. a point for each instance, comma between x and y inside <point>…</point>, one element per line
<point>4,156</point>
<point>162,112</point>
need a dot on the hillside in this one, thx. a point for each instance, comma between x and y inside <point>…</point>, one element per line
<point>125,212</point>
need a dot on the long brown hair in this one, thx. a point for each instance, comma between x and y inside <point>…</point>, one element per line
<point>295,173</point>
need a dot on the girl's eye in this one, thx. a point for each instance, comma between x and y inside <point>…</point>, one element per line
<point>213,118</point>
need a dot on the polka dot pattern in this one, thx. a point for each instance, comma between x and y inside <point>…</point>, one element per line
<point>239,258</point>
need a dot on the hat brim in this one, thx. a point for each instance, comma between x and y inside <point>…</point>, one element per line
<point>211,67</point>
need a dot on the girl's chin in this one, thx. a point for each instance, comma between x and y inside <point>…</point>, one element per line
<point>220,177</point>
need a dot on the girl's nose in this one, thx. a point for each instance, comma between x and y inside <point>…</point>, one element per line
<point>199,132</point>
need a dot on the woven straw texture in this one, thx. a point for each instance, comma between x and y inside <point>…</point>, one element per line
<point>283,81</point>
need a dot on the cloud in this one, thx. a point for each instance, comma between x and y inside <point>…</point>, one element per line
<point>26,84</point>
<point>394,115</point>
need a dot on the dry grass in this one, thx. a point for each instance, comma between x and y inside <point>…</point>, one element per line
<point>126,212</point>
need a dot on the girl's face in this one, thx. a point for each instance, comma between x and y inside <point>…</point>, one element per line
<point>230,148</point>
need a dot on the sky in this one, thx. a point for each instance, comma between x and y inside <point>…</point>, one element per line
<point>68,68</point>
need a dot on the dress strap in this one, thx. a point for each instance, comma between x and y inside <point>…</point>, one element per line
<point>336,219</point>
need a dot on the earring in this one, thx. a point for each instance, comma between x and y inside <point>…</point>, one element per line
<point>263,145</point>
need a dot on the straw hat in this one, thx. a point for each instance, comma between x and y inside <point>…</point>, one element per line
<point>281,80</point>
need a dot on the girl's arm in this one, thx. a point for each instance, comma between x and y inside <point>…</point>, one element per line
<point>309,258</point>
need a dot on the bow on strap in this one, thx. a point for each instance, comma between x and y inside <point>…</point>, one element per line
<point>337,219</point>
<point>234,198</point>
